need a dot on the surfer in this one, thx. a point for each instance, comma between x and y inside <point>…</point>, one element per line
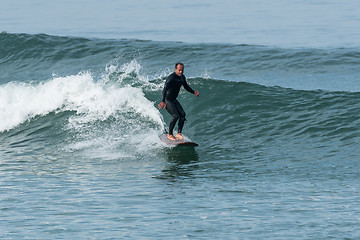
<point>169,94</point>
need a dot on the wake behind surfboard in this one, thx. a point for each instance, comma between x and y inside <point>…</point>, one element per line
<point>165,139</point>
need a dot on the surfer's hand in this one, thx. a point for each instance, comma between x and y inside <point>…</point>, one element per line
<point>162,105</point>
<point>196,93</point>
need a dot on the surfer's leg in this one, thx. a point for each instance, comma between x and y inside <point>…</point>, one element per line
<point>181,116</point>
<point>171,108</point>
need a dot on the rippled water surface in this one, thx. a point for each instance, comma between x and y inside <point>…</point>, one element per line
<point>277,120</point>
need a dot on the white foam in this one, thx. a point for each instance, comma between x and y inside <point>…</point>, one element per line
<point>92,101</point>
<point>131,73</point>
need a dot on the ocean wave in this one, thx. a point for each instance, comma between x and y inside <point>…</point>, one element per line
<point>109,98</point>
<point>90,101</point>
<point>123,90</point>
<point>119,113</point>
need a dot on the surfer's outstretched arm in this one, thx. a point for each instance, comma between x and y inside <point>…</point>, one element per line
<point>189,89</point>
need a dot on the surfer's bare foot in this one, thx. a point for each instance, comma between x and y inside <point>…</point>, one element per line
<point>171,137</point>
<point>179,136</point>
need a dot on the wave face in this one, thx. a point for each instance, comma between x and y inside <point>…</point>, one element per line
<point>114,84</point>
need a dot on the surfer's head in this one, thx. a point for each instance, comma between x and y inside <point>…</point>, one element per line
<point>179,69</point>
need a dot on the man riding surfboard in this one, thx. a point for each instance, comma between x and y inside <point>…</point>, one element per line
<point>169,94</point>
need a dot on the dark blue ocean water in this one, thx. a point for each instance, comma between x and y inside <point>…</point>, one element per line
<point>277,120</point>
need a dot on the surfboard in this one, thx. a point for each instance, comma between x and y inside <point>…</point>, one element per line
<point>183,143</point>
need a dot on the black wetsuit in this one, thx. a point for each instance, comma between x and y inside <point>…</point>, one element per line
<point>169,94</point>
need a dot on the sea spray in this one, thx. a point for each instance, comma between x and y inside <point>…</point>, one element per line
<point>91,101</point>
